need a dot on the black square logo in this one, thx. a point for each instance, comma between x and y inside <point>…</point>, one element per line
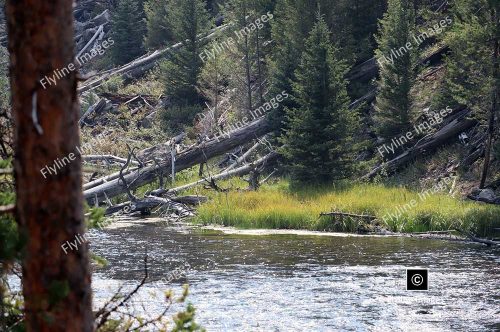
<point>417,279</point>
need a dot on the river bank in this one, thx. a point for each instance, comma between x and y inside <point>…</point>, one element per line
<point>395,209</point>
<point>120,222</point>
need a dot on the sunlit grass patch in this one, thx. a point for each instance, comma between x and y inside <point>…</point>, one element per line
<point>278,206</point>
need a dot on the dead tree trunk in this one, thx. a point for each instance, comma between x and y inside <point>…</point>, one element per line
<point>229,173</point>
<point>49,211</point>
<point>142,64</point>
<point>459,124</point>
<point>365,71</point>
<point>185,159</point>
<point>493,110</point>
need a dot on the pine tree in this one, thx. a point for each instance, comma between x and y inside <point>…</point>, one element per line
<point>159,31</point>
<point>293,20</point>
<point>213,85</point>
<point>188,18</point>
<point>127,27</point>
<point>397,68</point>
<point>472,76</point>
<point>318,141</point>
<point>469,66</point>
<point>248,33</point>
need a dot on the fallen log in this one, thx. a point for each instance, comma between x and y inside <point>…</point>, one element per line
<point>367,70</point>
<point>109,158</point>
<point>97,36</point>
<point>458,124</point>
<point>344,214</point>
<point>367,98</point>
<point>242,159</point>
<point>190,157</point>
<point>160,150</point>
<point>89,31</point>
<point>101,19</point>
<point>140,65</point>
<point>147,204</point>
<point>227,174</point>
<point>431,232</point>
<point>107,178</point>
<point>478,240</point>
<point>144,156</point>
<point>364,71</point>
<point>101,106</point>
<point>117,98</point>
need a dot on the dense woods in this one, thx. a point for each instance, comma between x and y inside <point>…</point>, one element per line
<point>359,116</point>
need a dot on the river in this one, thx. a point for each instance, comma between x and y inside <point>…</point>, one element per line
<point>302,282</point>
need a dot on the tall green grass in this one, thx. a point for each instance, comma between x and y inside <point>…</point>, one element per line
<point>279,207</point>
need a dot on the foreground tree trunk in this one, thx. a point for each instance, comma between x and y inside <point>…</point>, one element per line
<point>56,285</point>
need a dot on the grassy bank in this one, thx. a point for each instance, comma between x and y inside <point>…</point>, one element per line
<point>278,207</point>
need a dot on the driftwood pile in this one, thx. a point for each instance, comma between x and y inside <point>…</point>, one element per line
<point>177,160</point>
<point>150,166</point>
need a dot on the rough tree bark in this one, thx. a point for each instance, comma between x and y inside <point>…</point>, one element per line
<point>49,211</point>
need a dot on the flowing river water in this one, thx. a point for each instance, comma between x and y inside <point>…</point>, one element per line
<point>302,282</point>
